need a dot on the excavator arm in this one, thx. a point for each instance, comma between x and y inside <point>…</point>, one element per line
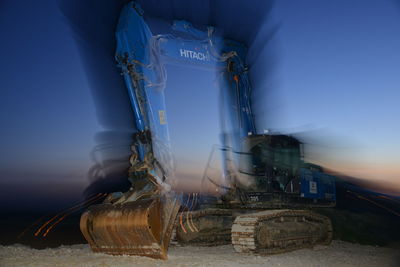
<point>140,221</point>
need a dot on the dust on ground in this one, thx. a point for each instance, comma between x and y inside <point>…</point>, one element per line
<point>339,253</point>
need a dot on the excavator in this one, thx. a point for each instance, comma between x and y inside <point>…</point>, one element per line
<point>266,191</point>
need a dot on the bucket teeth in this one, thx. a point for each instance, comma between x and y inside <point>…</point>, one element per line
<point>140,228</point>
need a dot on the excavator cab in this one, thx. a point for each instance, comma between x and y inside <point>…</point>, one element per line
<point>275,160</point>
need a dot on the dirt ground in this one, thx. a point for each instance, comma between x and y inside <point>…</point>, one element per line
<point>337,254</point>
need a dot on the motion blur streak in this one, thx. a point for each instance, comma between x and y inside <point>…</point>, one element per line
<point>377,204</point>
<point>69,211</point>
<point>72,211</point>
<point>31,225</point>
<point>93,24</point>
<point>191,214</point>
<point>261,25</point>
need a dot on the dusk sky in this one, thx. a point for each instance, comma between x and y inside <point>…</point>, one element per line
<point>339,71</point>
<point>336,75</point>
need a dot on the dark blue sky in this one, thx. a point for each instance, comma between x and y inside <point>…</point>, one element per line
<point>47,114</point>
<point>339,71</point>
<point>335,72</point>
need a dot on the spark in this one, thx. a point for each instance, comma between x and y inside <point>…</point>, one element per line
<point>180,222</point>
<point>388,198</point>
<point>30,226</point>
<point>68,213</point>
<point>190,221</point>
<point>96,197</point>
<point>187,214</point>
<point>181,215</point>
<point>375,203</point>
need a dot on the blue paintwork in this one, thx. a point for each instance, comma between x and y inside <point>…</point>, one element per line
<point>147,54</point>
<point>132,37</point>
<point>182,44</point>
<point>317,185</point>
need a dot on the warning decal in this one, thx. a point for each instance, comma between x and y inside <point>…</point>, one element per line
<point>161,114</point>
<point>313,187</point>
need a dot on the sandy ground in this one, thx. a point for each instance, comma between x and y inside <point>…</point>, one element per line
<point>337,254</point>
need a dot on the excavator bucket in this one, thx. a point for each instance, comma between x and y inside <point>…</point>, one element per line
<point>142,227</point>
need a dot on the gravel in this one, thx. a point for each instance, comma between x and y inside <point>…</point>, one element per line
<point>339,253</point>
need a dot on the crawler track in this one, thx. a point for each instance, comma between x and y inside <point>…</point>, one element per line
<point>278,231</point>
<point>208,227</point>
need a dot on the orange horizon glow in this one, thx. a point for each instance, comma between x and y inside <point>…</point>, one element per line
<point>379,177</point>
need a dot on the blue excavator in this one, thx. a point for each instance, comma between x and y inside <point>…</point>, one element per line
<point>266,191</point>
